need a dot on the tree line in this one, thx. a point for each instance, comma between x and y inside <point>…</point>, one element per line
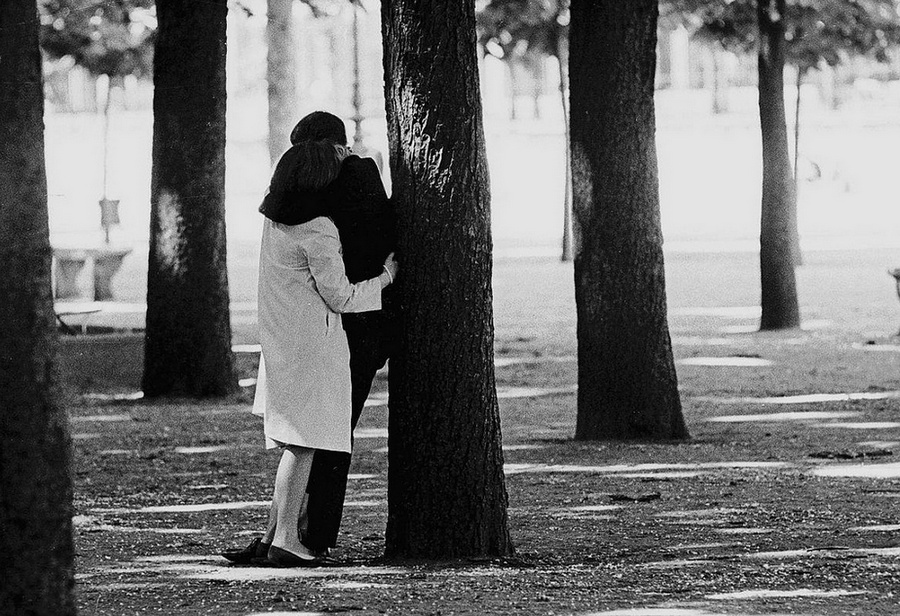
<point>444,421</point>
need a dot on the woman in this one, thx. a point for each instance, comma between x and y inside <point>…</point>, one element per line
<point>358,204</point>
<point>304,387</point>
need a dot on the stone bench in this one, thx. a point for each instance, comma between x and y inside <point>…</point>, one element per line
<point>105,261</point>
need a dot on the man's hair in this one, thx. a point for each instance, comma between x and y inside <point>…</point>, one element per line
<point>320,126</point>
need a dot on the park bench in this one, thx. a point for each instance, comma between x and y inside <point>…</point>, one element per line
<point>65,311</point>
<point>104,262</point>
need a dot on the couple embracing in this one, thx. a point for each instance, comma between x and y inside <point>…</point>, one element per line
<point>326,324</point>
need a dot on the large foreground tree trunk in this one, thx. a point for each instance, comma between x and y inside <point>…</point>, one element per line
<point>188,348</point>
<point>627,386</point>
<point>36,568</point>
<point>280,75</point>
<point>780,309</point>
<point>446,492</point>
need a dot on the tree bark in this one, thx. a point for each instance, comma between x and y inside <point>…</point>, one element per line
<point>627,386</point>
<point>35,446</point>
<point>281,68</point>
<point>780,309</point>
<point>562,54</point>
<point>188,337</point>
<point>446,490</point>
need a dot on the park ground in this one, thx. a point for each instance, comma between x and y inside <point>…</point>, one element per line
<point>785,501</point>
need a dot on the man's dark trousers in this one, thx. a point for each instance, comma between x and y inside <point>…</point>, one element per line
<point>369,338</point>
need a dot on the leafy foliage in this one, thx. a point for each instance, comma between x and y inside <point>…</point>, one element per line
<point>517,28</point>
<point>106,37</point>
<point>817,31</point>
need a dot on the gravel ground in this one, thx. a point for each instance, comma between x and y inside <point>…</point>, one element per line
<point>758,514</point>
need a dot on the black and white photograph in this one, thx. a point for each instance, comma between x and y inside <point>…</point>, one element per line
<point>450,307</point>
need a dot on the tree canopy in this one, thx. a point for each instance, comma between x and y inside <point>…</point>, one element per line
<point>106,38</point>
<point>516,28</point>
<point>816,31</point>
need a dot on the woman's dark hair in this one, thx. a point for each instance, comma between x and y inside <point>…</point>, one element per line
<point>305,168</point>
<point>319,126</point>
<point>315,164</point>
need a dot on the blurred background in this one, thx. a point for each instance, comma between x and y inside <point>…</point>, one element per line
<point>99,133</point>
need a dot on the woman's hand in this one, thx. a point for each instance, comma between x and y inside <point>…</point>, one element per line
<point>391,267</point>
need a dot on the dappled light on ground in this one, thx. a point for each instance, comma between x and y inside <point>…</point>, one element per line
<point>772,594</point>
<point>102,418</point>
<point>870,471</point>
<point>806,398</point>
<point>773,417</point>
<point>726,362</point>
<point>758,500</point>
<point>201,449</point>
<point>863,425</point>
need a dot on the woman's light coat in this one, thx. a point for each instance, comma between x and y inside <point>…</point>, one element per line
<point>303,387</point>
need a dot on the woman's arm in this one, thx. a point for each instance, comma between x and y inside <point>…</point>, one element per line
<point>327,268</point>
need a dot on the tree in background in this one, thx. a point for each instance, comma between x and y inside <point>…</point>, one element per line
<point>188,337</point>
<point>812,33</point>
<point>35,447</point>
<point>281,64</point>
<point>780,306</point>
<point>281,71</point>
<point>112,39</point>
<point>627,385</point>
<point>512,29</point>
<point>446,491</point>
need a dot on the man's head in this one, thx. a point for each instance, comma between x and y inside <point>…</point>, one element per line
<point>319,126</point>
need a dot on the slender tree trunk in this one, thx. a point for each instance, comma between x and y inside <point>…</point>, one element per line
<point>446,491</point>
<point>780,309</point>
<point>562,54</point>
<point>536,73</point>
<point>188,339</point>
<point>627,386</point>
<point>720,84</point>
<point>107,107</point>
<point>36,570</point>
<point>281,68</point>
<point>512,67</point>
<point>796,253</point>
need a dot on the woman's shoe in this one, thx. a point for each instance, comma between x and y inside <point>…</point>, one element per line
<point>256,549</point>
<point>282,558</point>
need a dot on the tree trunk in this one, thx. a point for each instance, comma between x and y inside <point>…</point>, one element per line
<point>512,67</point>
<point>627,386</point>
<point>35,447</point>
<point>720,83</point>
<point>281,75</point>
<point>536,69</point>
<point>446,491</point>
<point>780,308</point>
<point>796,253</point>
<point>562,54</point>
<point>188,339</point>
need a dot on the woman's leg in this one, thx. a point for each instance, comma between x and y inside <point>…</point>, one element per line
<point>270,529</point>
<point>290,488</point>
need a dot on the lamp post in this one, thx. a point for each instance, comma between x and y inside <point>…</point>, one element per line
<point>357,97</point>
<point>109,208</point>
